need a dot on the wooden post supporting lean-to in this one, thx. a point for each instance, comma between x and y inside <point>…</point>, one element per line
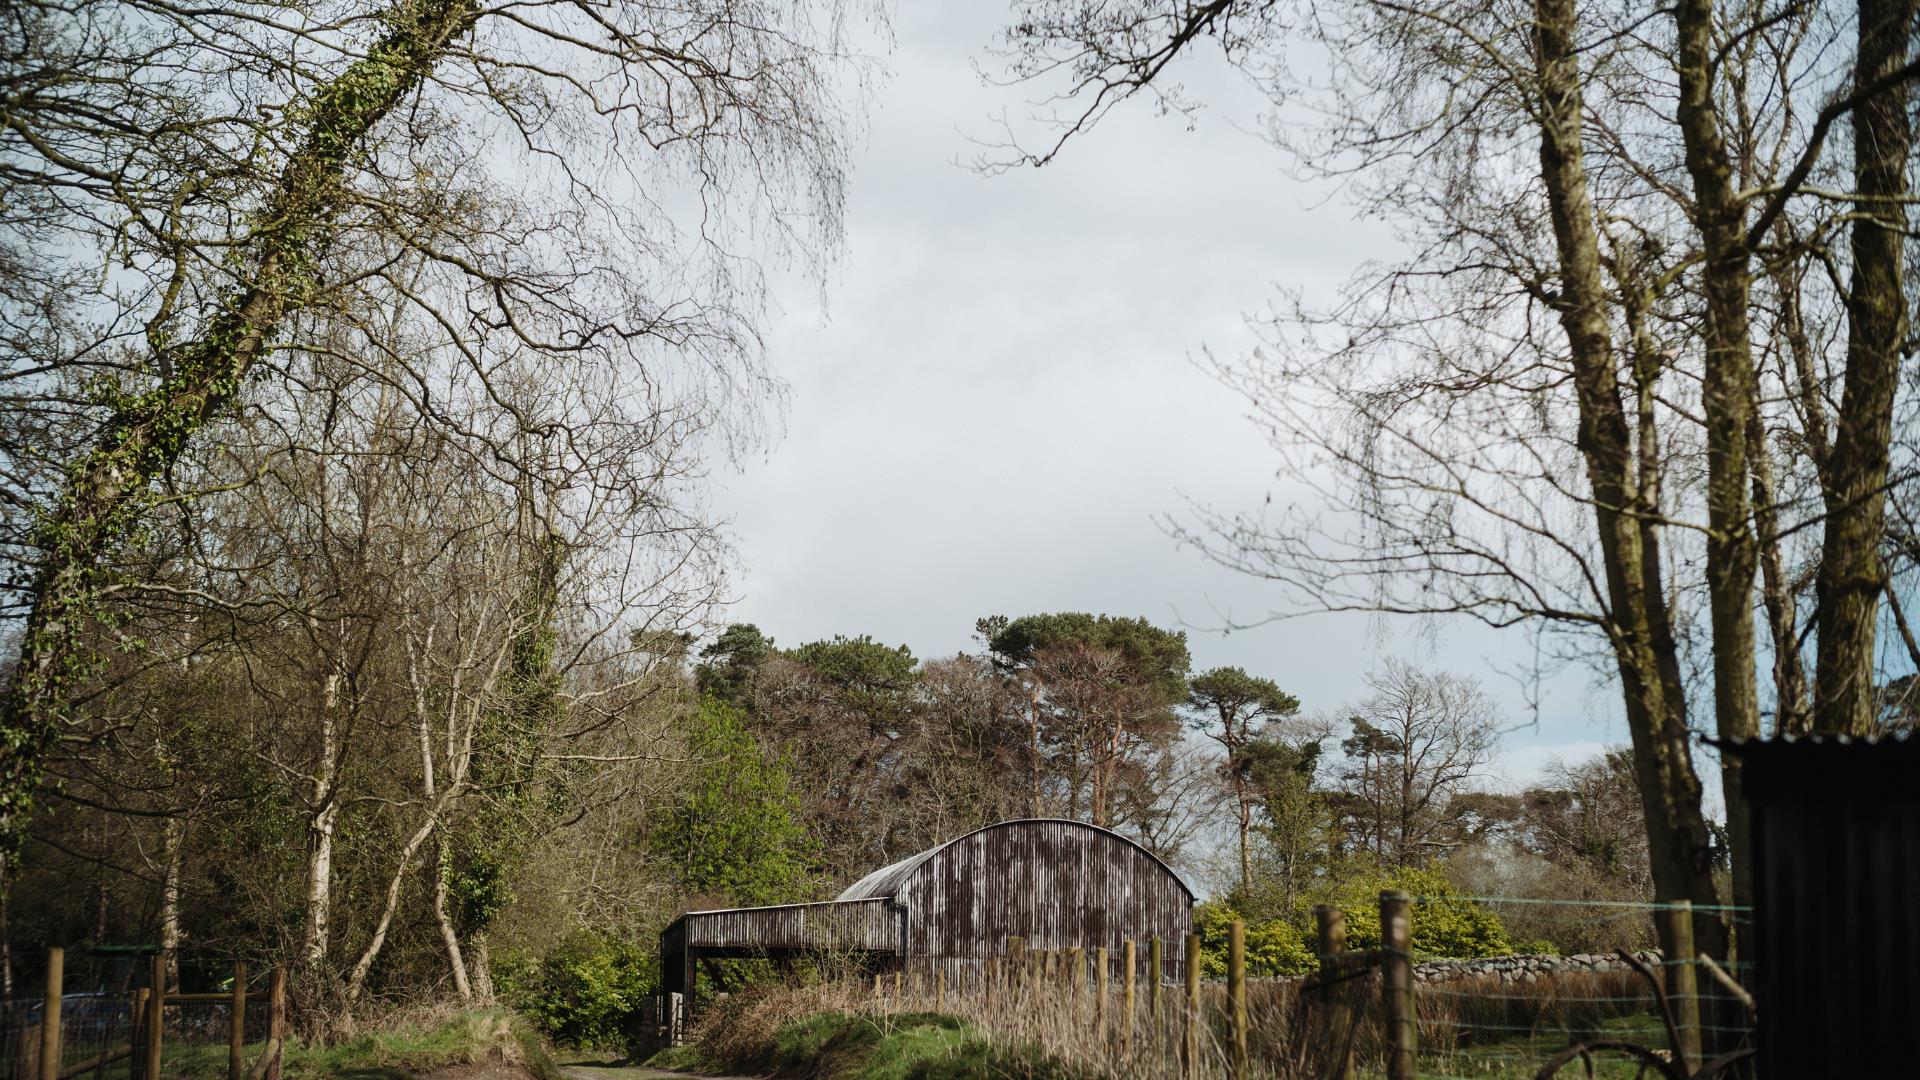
<point>277,1023</point>
<point>1130,963</point>
<point>1337,1054</point>
<point>237,1025</point>
<point>156,1015</point>
<point>1191,1057</point>
<point>1682,979</point>
<point>50,1014</point>
<point>1396,964</point>
<point>1153,992</point>
<point>1236,995</point>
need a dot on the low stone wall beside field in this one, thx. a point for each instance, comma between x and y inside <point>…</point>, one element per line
<point>1522,969</point>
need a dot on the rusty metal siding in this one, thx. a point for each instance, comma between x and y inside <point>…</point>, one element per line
<point>1058,884</point>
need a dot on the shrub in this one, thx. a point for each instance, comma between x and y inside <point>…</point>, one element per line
<point>586,993</point>
<point>1443,923</point>
<point>1275,947</point>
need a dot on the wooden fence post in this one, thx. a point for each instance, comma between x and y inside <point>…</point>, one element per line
<point>1396,939</point>
<point>237,1024</point>
<point>1192,1055</point>
<point>276,1024</point>
<point>1101,972</point>
<point>50,1014</point>
<point>1682,979</point>
<point>137,1035</point>
<point>1017,960</point>
<point>1130,963</point>
<point>1077,970</point>
<point>1337,1059</point>
<point>1153,990</point>
<point>156,1015</point>
<point>940,989</point>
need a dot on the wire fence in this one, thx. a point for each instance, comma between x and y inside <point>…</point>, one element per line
<point>105,1026</point>
<point>1386,1011</point>
<point>1509,1016</point>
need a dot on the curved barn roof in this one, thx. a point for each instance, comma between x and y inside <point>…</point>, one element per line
<point>889,879</point>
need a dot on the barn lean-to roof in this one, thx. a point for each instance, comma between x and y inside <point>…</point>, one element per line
<point>887,881</point>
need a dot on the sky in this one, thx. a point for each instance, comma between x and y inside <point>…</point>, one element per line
<point>994,401</point>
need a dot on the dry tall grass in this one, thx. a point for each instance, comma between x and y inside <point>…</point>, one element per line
<point>1292,1033</point>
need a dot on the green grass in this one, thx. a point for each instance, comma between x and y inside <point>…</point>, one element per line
<point>395,1053</point>
<point>843,1046</point>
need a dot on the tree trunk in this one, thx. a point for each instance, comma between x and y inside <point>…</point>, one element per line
<point>357,979</point>
<point>1246,829</point>
<point>170,900</point>
<point>1850,574</point>
<point>313,942</point>
<point>103,499</point>
<point>482,966</point>
<point>1638,625</point>
<point>6,932</point>
<point>1776,592</point>
<point>456,963</point>
<point>1727,393</point>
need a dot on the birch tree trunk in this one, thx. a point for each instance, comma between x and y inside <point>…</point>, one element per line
<point>449,939</point>
<point>170,900</point>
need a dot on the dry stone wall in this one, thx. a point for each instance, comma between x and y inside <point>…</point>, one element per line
<point>1523,969</point>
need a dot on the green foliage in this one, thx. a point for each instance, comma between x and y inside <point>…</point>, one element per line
<point>735,827</point>
<point>1158,657</point>
<point>1443,925</point>
<point>1275,947</point>
<point>859,664</point>
<point>1238,701</point>
<point>585,993</point>
<point>733,660</point>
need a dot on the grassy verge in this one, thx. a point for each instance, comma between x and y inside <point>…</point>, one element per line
<point>397,1052</point>
<point>850,1046</point>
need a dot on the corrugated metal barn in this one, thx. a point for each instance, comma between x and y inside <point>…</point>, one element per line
<point>1836,935</point>
<point>1058,884</point>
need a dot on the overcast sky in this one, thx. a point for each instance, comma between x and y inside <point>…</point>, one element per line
<point>997,397</point>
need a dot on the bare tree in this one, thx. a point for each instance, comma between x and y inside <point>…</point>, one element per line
<point>588,183</point>
<point>1577,407</point>
<point>1419,739</point>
